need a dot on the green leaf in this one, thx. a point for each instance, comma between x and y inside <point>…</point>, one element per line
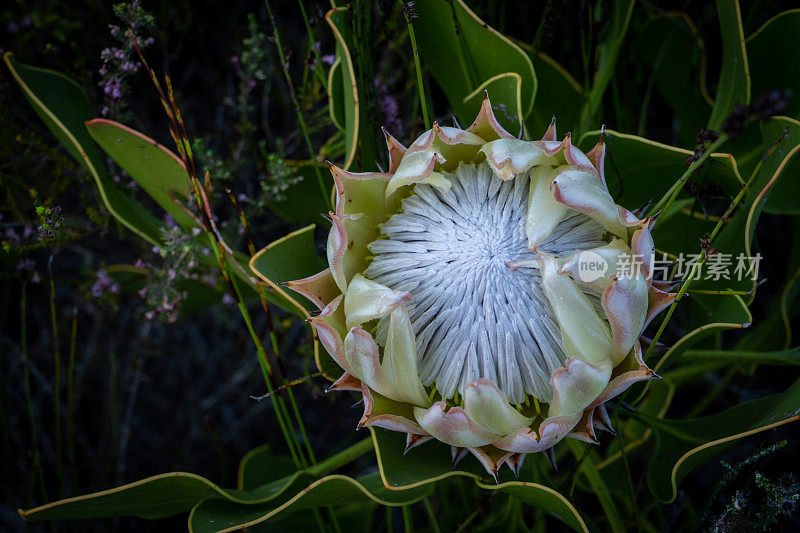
<point>607,54</point>
<point>670,45</point>
<point>780,358</point>
<point>289,258</point>
<point>344,99</point>
<point>734,78</point>
<point>260,465</point>
<point>430,462</point>
<point>558,95</point>
<point>738,235</point>
<point>720,313</point>
<point>153,167</point>
<point>64,108</point>
<point>784,195</point>
<point>303,203</point>
<point>682,445</point>
<point>154,497</point>
<point>336,94</point>
<point>462,53</point>
<point>770,50</point>
<point>221,515</point>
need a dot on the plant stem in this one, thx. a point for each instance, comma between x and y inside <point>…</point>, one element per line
<point>408,522</point>
<point>673,192</point>
<point>703,256</point>
<point>71,395</point>
<point>23,320</point>
<point>56,376</point>
<point>318,69</point>
<point>434,523</point>
<point>599,487</point>
<point>418,68</point>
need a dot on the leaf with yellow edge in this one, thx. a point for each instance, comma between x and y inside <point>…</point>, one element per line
<point>462,52</point>
<point>344,99</point>
<point>682,445</point>
<point>157,170</point>
<point>431,462</point>
<point>221,515</point>
<point>734,79</point>
<point>64,108</point>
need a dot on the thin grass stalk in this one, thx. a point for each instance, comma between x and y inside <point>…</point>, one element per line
<point>415,51</point>
<point>318,69</point>
<point>293,96</point>
<point>56,378</point>
<point>37,463</point>
<point>71,396</point>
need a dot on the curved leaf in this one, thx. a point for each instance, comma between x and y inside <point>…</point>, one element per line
<point>220,515</point>
<point>770,49</point>
<point>289,258</point>
<point>682,445</point>
<point>462,52</point>
<point>781,358</point>
<point>346,110</point>
<point>64,108</point>
<point>157,170</point>
<point>734,78</point>
<point>432,461</point>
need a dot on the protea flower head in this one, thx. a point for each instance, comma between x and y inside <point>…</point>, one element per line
<point>458,301</point>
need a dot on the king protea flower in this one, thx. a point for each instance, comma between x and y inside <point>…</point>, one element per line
<point>457,299</point>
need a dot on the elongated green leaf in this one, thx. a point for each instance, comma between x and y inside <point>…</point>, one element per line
<point>770,51</point>
<point>682,445</point>
<point>734,78</point>
<point>154,497</point>
<point>155,169</point>
<point>462,52</point>
<point>607,55</point>
<point>64,108</point>
<point>738,235</point>
<point>344,99</point>
<point>781,358</point>
<point>711,314</point>
<point>220,515</point>
<point>783,197</point>
<point>430,462</point>
<point>336,94</point>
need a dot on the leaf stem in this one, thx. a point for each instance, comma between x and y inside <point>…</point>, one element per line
<point>673,192</point>
<point>418,68</point>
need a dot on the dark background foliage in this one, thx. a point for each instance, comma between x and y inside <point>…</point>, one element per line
<point>146,396</point>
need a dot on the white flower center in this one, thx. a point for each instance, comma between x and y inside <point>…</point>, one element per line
<point>473,315</point>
